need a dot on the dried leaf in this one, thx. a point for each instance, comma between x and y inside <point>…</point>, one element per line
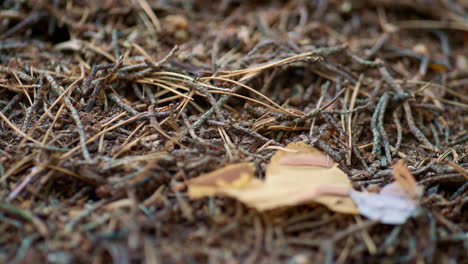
<point>387,208</point>
<point>396,201</point>
<point>292,178</point>
<point>235,175</point>
<point>406,180</point>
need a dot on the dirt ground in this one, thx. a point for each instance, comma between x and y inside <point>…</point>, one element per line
<point>108,107</point>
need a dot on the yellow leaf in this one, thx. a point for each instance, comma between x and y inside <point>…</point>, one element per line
<point>302,176</point>
<point>235,175</point>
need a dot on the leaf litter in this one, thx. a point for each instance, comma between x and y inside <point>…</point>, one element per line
<point>395,202</point>
<point>122,102</point>
<point>292,178</point>
<point>301,174</point>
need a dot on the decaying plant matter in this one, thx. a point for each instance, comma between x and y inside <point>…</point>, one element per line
<point>109,108</point>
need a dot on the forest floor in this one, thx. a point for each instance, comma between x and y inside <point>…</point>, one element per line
<point>109,108</point>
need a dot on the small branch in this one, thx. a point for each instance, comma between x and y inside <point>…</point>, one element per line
<point>155,124</point>
<point>367,63</point>
<point>74,113</point>
<point>409,116</point>
<point>34,106</point>
<point>380,126</point>
<point>157,65</point>
<point>12,102</point>
<point>23,76</point>
<point>211,99</point>
<point>396,120</point>
<point>115,97</point>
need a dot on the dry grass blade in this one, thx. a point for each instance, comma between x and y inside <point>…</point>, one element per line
<point>350,116</point>
<point>91,139</point>
<point>109,110</point>
<point>252,90</point>
<point>17,130</point>
<point>269,65</point>
<point>147,8</point>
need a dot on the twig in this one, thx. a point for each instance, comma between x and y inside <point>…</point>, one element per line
<point>94,95</point>
<point>324,89</point>
<point>340,72</point>
<point>139,93</point>
<point>334,99</point>
<point>149,94</point>
<point>34,106</point>
<point>380,125</point>
<point>115,97</point>
<point>446,178</point>
<point>377,46</point>
<point>31,19</point>
<point>355,150</point>
<point>157,65</point>
<point>409,116</point>
<point>219,103</point>
<point>35,171</point>
<point>326,147</point>
<point>243,130</point>
<point>396,120</point>
<point>435,135</point>
<point>155,124</point>
<point>210,99</point>
<point>11,103</point>
<point>23,76</point>
<point>190,129</point>
<point>74,113</point>
<point>321,130</point>
<point>316,112</point>
<point>367,63</point>
<point>88,83</point>
<point>115,43</point>
<point>12,45</point>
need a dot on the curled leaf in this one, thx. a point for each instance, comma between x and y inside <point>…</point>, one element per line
<point>387,208</point>
<point>395,202</point>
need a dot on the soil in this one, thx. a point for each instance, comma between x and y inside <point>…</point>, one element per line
<point>109,107</point>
